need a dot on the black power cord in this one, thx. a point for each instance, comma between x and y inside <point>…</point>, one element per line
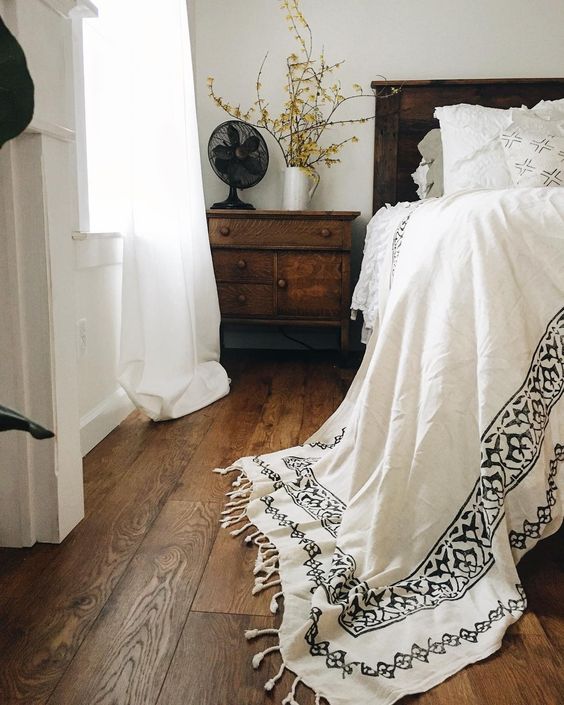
<point>295,340</point>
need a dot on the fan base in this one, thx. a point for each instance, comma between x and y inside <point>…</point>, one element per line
<point>229,205</point>
<point>232,205</point>
<point>232,202</point>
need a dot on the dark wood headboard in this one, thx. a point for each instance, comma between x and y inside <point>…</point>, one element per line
<point>403,119</point>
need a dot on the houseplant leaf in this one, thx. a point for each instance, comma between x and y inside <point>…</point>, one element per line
<point>16,87</point>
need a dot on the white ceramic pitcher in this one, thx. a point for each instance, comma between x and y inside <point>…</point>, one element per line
<point>299,187</point>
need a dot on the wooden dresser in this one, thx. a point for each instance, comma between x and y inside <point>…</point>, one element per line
<point>283,267</point>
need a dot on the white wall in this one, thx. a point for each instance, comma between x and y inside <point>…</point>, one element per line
<point>399,39</point>
<point>40,481</point>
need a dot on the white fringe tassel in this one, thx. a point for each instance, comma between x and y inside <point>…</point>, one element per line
<point>269,685</point>
<point>274,602</point>
<point>257,658</point>
<point>230,468</point>
<point>259,587</point>
<point>251,537</point>
<point>254,633</point>
<point>267,562</point>
<point>289,699</point>
<point>237,532</point>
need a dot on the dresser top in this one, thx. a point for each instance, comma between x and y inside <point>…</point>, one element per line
<point>283,214</point>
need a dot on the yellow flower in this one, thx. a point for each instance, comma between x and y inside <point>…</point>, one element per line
<point>311,100</point>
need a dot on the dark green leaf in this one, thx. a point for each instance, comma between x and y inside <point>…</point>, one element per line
<point>16,87</point>
<point>11,420</point>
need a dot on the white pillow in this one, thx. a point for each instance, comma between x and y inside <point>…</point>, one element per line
<point>535,157</point>
<point>429,174</point>
<point>550,109</point>
<point>538,122</point>
<point>472,152</point>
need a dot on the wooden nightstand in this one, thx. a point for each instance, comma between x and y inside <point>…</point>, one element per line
<point>283,267</point>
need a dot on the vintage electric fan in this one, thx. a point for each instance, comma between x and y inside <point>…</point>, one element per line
<point>239,156</point>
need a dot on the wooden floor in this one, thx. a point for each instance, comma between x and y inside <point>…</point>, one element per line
<point>146,601</point>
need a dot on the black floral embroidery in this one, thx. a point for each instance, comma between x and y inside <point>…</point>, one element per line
<point>325,446</point>
<point>405,661</point>
<point>397,240</point>
<point>532,530</point>
<point>463,554</point>
<point>313,497</point>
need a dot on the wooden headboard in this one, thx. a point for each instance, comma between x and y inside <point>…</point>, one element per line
<point>403,119</point>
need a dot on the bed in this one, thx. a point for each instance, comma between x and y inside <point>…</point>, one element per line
<point>402,121</point>
<point>394,532</point>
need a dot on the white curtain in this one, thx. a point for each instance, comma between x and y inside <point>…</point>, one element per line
<point>170,315</point>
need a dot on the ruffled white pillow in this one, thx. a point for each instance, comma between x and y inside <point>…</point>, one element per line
<point>550,109</point>
<point>472,153</point>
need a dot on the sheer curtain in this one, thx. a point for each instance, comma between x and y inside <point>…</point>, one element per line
<point>169,358</point>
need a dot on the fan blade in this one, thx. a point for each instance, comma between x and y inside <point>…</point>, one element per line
<point>233,135</point>
<point>251,144</point>
<point>252,165</point>
<point>223,152</point>
<point>223,165</point>
<point>238,174</point>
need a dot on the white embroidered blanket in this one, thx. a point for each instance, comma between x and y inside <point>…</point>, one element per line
<point>399,525</point>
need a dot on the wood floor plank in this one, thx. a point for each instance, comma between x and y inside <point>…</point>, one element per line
<point>323,394</point>
<point>228,436</point>
<point>212,664</point>
<point>45,617</point>
<point>521,673</point>
<point>103,611</point>
<point>542,574</point>
<point>228,579</point>
<point>282,415</point>
<point>104,466</point>
<point>125,656</point>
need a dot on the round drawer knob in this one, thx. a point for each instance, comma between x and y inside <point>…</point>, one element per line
<point>241,264</point>
<point>241,298</point>
<point>224,230</point>
<point>282,283</point>
<point>325,232</point>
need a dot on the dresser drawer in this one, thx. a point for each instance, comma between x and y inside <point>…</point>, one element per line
<point>243,266</point>
<point>266,232</point>
<point>238,299</point>
<point>309,285</point>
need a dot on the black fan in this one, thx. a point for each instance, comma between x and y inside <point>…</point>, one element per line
<point>239,156</point>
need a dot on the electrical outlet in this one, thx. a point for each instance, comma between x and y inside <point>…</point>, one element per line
<point>81,338</point>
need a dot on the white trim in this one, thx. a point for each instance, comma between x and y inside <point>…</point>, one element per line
<point>82,235</point>
<point>83,8</point>
<point>80,122</point>
<point>51,129</point>
<point>103,418</point>
<point>97,249</point>
<point>63,7</point>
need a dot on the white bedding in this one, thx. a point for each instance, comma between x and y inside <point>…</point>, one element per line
<point>398,526</point>
<point>379,236</point>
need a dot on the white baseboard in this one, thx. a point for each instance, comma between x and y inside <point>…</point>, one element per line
<point>103,418</point>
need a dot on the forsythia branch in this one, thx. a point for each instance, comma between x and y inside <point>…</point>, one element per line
<point>313,100</point>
